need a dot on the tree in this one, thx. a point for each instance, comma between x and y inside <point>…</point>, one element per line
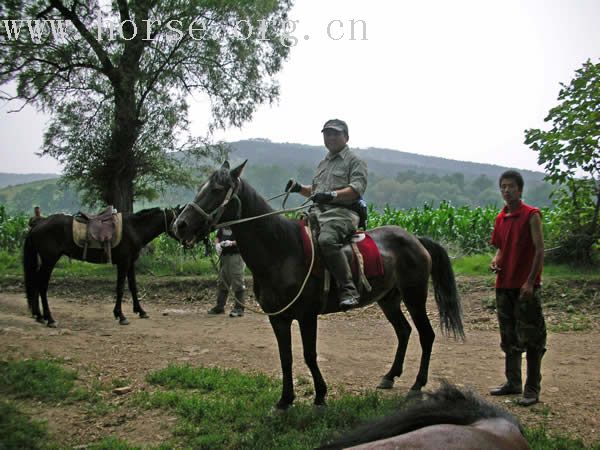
<point>115,77</point>
<point>570,153</point>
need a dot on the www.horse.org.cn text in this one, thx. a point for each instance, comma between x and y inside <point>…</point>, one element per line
<point>287,32</point>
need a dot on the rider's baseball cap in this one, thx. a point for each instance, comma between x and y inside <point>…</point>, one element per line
<point>336,124</point>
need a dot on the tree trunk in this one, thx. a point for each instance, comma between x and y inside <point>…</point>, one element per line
<point>121,167</point>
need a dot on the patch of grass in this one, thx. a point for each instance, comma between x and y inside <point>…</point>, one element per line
<point>539,439</point>
<point>226,409</point>
<point>473,265</point>
<point>571,272</point>
<point>573,322</point>
<point>17,431</point>
<point>42,380</point>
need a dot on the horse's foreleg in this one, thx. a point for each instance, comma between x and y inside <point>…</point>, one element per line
<point>283,333</point>
<point>308,330</point>
<point>137,308</point>
<point>390,306</point>
<point>415,300</point>
<point>118,312</point>
<point>44,280</point>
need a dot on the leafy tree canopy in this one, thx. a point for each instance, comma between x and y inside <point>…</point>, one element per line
<point>570,153</point>
<point>116,76</point>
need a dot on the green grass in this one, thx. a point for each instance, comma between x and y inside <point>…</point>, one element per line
<point>473,265</point>
<point>41,380</point>
<point>540,439</point>
<point>220,408</point>
<point>17,431</point>
<point>216,409</point>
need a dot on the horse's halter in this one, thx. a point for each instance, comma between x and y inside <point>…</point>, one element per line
<point>213,217</point>
<point>167,224</point>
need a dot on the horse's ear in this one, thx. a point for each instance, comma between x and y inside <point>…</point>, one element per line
<point>237,172</point>
<point>225,165</point>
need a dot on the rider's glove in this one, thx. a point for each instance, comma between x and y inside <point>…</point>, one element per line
<point>293,186</point>
<point>226,243</point>
<point>324,197</point>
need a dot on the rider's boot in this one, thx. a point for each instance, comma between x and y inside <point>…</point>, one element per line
<point>340,270</point>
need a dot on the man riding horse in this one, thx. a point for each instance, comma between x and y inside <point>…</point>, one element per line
<point>338,185</point>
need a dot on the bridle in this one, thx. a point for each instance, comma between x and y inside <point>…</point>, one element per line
<point>172,220</point>
<point>213,217</point>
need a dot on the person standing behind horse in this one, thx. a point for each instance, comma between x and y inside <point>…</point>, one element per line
<point>37,217</point>
<point>231,274</point>
<point>518,266</point>
<point>339,183</point>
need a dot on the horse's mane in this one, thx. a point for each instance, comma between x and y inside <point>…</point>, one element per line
<point>280,228</point>
<point>138,218</point>
<point>447,405</point>
<point>147,212</point>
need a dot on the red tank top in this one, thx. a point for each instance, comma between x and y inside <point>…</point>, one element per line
<point>512,235</point>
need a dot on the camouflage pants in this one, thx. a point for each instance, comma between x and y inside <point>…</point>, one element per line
<point>522,326</point>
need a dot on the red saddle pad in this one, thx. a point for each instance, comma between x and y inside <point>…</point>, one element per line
<point>367,247</point>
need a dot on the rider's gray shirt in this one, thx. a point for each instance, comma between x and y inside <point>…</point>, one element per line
<point>338,171</point>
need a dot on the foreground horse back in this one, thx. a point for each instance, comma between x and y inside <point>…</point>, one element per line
<point>449,418</point>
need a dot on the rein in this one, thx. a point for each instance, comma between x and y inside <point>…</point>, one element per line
<point>285,308</point>
<point>215,215</point>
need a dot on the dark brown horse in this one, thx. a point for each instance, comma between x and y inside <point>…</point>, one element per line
<point>53,237</point>
<point>448,418</point>
<point>272,249</point>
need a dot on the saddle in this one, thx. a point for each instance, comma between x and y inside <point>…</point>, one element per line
<point>365,262</point>
<point>102,230</point>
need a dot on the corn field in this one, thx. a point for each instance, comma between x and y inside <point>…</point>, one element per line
<point>467,230</point>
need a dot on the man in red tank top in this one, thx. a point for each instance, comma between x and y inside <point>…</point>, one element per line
<point>518,266</point>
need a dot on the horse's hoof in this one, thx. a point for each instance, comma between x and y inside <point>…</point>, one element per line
<point>123,321</point>
<point>40,320</point>
<point>144,316</point>
<point>52,324</point>
<point>280,409</point>
<point>385,383</point>
<point>320,408</point>
<point>414,394</point>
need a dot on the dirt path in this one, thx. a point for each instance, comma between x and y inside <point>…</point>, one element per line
<point>355,349</point>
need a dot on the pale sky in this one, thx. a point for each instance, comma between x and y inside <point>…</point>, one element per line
<point>459,80</point>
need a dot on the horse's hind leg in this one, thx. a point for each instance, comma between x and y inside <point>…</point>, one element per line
<point>118,311</point>
<point>390,305</point>
<point>44,281</point>
<point>308,330</point>
<point>137,308</point>
<point>415,299</point>
<point>283,333</point>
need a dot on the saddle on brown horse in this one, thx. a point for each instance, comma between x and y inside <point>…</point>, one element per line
<point>97,231</point>
<point>365,261</point>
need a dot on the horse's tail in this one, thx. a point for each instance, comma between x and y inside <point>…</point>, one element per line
<point>30,270</point>
<point>444,286</point>
<point>447,405</point>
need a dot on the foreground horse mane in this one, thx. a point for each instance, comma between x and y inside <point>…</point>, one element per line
<point>447,405</point>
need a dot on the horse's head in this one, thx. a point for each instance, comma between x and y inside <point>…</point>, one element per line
<point>215,201</point>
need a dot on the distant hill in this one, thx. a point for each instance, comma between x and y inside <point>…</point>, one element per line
<point>397,178</point>
<point>13,179</point>
<point>381,161</point>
